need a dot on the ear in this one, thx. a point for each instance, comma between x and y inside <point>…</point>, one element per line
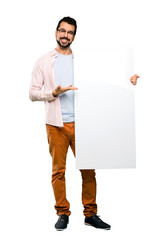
<point>73,37</point>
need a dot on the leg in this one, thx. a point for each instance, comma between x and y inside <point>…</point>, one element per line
<point>58,147</point>
<point>89,192</point>
<point>88,186</point>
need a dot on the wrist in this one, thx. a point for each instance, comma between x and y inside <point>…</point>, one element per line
<point>54,95</point>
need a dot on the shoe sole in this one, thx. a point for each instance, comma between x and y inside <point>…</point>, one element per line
<point>58,229</point>
<point>61,229</point>
<point>88,224</point>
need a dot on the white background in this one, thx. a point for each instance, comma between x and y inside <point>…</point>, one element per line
<point>127,199</point>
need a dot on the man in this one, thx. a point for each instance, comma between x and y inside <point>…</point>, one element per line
<point>54,71</point>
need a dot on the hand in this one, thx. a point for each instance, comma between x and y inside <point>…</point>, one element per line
<point>58,90</point>
<point>133,79</point>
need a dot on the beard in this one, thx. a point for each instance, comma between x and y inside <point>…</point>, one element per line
<point>63,46</point>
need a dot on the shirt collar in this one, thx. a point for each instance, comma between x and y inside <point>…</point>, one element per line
<point>54,53</point>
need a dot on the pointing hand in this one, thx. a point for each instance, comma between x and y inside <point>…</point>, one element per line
<point>58,90</point>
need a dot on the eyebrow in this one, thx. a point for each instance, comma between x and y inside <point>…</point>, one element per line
<point>66,30</point>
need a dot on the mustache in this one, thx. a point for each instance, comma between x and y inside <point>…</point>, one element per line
<point>64,38</point>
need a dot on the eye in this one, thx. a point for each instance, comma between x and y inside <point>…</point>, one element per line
<point>62,30</point>
<point>70,32</point>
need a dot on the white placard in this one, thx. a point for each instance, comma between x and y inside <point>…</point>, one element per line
<point>104,108</point>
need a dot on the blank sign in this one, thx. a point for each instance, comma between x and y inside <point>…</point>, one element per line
<point>104,108</point>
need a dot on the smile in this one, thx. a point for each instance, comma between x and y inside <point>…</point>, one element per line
<point>64,40</point>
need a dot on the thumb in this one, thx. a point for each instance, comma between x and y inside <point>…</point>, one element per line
<point>59,87</point>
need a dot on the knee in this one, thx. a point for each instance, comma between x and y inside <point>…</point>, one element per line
<point>57,175</point>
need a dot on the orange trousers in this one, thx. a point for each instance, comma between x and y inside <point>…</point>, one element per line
<point>59,140</point>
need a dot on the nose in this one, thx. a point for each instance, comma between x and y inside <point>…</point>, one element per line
<point>66,34</point>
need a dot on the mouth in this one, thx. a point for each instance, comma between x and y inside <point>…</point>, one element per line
<point>64,40</point>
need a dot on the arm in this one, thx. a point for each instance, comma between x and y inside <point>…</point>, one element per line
<point>36,93</point>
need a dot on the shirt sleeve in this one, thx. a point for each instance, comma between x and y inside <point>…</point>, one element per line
<point>36,93</point>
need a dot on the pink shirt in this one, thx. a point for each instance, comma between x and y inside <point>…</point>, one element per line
<point>42,86</point>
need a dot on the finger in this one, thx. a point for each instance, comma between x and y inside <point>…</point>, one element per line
<point>133,80</point>
<point>136,76</point>
<point>68,88</point>
<point>73,88</point>
<point>59,87</point>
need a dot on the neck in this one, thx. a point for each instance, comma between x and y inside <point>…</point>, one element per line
<point>66,51</point>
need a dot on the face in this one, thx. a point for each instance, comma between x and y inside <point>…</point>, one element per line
<point>65,35</point>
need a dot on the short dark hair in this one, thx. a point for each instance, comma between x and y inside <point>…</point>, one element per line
<point>68,20</point>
